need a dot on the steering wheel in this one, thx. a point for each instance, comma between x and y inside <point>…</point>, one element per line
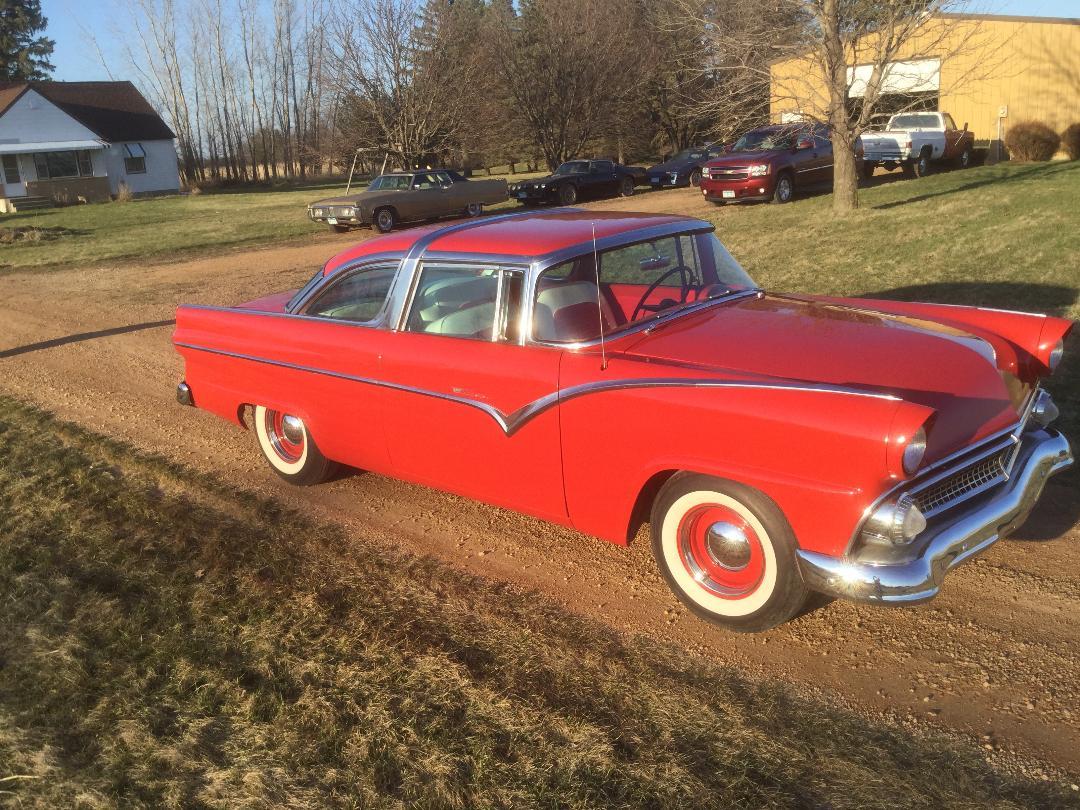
<point>686,277</point>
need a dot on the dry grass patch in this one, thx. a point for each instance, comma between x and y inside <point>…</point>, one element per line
<point>158,650</point>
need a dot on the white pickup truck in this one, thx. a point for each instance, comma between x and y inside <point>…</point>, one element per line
<point>914,141</point>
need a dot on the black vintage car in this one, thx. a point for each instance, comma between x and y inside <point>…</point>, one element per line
<point>579,179</point>
<point>685,168</point>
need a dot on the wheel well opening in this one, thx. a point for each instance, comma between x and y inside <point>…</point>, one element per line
<point>242,412</point>
<point>639,514</point>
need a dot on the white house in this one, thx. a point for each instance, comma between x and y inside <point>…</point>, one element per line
<point>66,141</point>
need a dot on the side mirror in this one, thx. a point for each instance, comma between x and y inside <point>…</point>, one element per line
<point>965,126</point>
<point>804,142</point>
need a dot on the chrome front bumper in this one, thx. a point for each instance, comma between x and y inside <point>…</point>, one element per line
<point>955,538</point>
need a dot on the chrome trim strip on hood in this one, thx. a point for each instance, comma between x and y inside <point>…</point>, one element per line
<point>514,421</point>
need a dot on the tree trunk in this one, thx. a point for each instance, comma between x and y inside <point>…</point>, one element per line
<point>845,176</point>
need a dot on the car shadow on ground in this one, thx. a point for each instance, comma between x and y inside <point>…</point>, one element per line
<point>82,336</point>
<point>1047,299</point>
<point>1040,169</point>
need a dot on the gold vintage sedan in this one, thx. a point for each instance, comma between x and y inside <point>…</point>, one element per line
<point>407,197</point>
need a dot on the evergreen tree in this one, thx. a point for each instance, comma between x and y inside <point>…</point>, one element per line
<point>22,54</point>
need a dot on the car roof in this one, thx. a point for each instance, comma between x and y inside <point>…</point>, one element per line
<point>523,235</point>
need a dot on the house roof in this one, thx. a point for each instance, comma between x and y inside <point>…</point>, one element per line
<point>114,111</point>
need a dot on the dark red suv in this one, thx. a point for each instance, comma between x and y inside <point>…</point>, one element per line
<point>770,163</point>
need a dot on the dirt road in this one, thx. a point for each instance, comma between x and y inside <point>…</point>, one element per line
<point>996,656</point>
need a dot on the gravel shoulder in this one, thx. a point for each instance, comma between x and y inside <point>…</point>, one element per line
<point>997,656</point>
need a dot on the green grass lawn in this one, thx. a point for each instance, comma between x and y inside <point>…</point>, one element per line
<point>164,227</point>
<point>168,641</point>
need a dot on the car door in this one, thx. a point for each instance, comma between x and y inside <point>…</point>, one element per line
<point>462,377</point>
<point>953,137</point>
<point>823,171</point>
<point>425,196</point>
<point>603,178</point>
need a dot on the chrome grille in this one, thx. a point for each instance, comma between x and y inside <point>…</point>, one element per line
<point>965,483</point>
<point>740,173</point>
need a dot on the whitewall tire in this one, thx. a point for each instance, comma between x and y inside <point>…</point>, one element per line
<point>727,552</point>
<point>289,449</point>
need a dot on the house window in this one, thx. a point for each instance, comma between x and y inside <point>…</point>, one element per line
<point>11,169</point>
<point>62,165</point>
<point>134,158</point>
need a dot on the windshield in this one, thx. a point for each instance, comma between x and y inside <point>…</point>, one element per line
<point>691,154</point>
<point>638,282</point>
<point>574,167</point>
<point>389,182</point>
<point>915,121</point>
<point>763,141</point>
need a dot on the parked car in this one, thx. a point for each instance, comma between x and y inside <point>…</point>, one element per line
<point>579,179</point>
<point>915,142</point>
<point>399,197</point>
<point>776,443</point>
<point>684,169</point>
<point>770,163</point>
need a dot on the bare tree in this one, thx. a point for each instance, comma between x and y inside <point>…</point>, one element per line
<point>566,66</point>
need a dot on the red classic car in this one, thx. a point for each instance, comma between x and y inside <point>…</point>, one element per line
<point>599,370</point>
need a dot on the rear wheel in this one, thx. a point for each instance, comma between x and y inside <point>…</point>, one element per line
<point>785,189</point>
<point>626,187</point>
<point>385,219</point>
<point>964,161</point>
<point>567,194</point>
<point>288,447</point>
<point>727,552</point>
<point>922,164</point>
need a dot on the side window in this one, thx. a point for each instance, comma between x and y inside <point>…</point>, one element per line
<point>358,296</point>
<point>425,181</point>
<point>603,166</point>
<point>455,301</point>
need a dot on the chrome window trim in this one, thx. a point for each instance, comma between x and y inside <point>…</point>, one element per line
<point>342,276</point>
<point>363,261</point>
<point>625,239</point>
<point>511,422</point>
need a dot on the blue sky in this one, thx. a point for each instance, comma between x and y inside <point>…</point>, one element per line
<point>76,58</point>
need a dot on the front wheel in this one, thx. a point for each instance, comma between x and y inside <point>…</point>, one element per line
<point>474,209</point>
<point>385,219</point>
<point>292,453</point>
<point>785,189</point>
<point>695,178</point>
<point>567,194</point>
<point>727,552</point>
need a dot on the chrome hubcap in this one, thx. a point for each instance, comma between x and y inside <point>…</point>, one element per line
<point>728,545</point>
<point>384,219</point>
<point>293,429</point>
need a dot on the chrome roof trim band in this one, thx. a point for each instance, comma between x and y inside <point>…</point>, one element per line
<point>512,422</point>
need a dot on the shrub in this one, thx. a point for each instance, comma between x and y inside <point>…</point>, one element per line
<point>124,193</point>
<point>1032,140</point>
<point>1070,141</point>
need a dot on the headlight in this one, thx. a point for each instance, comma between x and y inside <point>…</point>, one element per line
<point>894,523</point>
<point>914,452</point>
<point>1055,355</point>
<point>348,212</point>
<point>759,170</point>
<point>705,171</point>
<point>318,212</point>
<point>542,185</point>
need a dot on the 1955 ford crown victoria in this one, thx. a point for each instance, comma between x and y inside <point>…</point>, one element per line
<point>601,369</point>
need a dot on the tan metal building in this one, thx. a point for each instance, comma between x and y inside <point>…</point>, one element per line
<point>989,71</point>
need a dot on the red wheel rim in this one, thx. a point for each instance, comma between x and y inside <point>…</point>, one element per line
<point>286,435</point>
<point>721,551</point>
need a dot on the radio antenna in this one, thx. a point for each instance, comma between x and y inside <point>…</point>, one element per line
<point>599,307</point>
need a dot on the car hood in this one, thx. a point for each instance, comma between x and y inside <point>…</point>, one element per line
<point>810,341</point>
<point>535,181</point>
<point>742,158</point>
<point>362,198</point>
<point>674,166</point>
